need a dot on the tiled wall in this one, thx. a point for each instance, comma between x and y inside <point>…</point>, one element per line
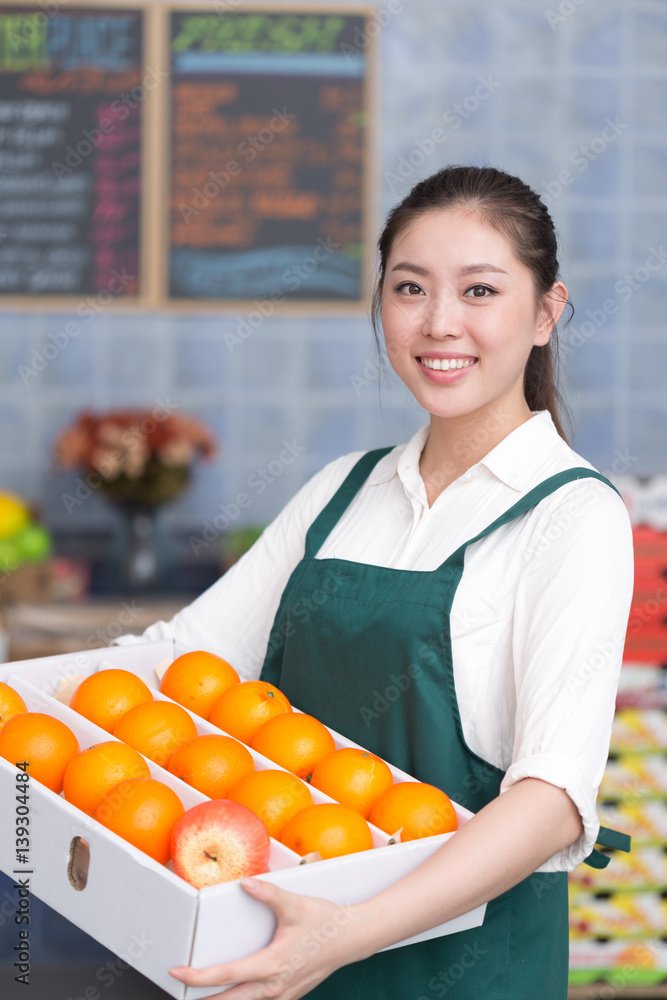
<point>535,84</point>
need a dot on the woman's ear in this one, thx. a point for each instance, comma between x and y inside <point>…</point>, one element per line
<point>549,313</point>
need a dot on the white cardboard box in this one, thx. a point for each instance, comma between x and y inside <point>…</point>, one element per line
<point>142,910</point>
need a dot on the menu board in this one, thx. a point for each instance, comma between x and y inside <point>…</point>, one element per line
<point>268,141</point>
<point>72,88</point>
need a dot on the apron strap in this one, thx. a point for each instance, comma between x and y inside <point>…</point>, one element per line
<point>340,501</point>
<point>607,838</point>
<point>614,839</point>
<point>453,566</point>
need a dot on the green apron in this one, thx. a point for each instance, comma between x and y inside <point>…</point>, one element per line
<point>367,650</point>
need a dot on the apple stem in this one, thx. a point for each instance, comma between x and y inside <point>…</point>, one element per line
<point>211,857</point>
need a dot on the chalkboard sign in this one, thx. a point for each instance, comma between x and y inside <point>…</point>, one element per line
<point>268,147</point>
<point>72,88</point>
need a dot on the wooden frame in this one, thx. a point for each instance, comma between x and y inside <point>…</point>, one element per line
<point>154,228</point>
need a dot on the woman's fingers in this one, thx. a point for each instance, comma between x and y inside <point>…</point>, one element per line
<point>287,906</point>
<point>261,980</point>
<point>259,966</point>
<point>263,965</point>
<point>303,950</point>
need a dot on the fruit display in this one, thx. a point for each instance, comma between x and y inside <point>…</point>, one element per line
<point>22,540</point>
<point>249,723</point>
<point>617,914</point>
<point>127,850</point>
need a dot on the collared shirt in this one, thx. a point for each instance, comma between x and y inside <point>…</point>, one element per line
<point>538,620</point>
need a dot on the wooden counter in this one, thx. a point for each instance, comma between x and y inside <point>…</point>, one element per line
<point>46,629</point>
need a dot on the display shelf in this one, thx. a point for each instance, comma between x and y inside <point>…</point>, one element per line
<point>600,990</point>
<point>615,913</point>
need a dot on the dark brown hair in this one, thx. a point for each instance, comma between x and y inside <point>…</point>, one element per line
<point>514,209</point>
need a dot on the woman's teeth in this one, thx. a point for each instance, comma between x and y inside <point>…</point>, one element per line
<point>445,365</point>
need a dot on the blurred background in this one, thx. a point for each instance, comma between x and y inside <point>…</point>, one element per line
<point>549,86</point>
<point>570,95</point>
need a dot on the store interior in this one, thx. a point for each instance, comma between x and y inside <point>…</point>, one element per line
<point>217,309</point>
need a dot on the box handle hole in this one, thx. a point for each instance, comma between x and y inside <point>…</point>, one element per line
<point>79,860</point>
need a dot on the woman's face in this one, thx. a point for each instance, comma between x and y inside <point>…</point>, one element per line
<point>455,297</point>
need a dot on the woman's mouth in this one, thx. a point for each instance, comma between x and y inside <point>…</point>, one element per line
<point>446,364</point>
<point>442,371</point>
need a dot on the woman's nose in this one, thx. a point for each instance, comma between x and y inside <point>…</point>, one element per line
<point>442,319</point>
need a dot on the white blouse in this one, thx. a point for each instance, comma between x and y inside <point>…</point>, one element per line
<point>538,620</point>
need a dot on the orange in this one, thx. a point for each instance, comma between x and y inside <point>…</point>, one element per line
<point>11,704</point>
<point>353,777</point>
<point>94,771</point>
<point>416,809</point>
<point>144,812</point>
<point>295,741</point>
<point>196,679</point>
<point>274,796</point>
<point>156,729</point>
<point>45,743</point>
<point>106,695</point>
<point>242,709</point>
<point>212,764</point>
<point>328,828</point>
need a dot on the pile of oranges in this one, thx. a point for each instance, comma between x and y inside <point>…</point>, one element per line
<point>111,781</point>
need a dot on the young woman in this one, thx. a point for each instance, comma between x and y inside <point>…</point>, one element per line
<point>458,606</point>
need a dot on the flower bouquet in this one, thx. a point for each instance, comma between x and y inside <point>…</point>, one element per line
<point>139,459</point>
<point>142,457</point>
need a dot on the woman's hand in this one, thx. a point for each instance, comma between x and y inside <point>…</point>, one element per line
<point>502,844</point>
<point>313,938</point>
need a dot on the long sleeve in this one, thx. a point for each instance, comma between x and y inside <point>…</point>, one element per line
<point>571,615</point>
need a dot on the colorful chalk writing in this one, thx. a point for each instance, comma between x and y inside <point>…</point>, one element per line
<point>70,139</point>
<point>267,139</point>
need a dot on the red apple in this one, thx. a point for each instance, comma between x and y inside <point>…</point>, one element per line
<point>219,841</point>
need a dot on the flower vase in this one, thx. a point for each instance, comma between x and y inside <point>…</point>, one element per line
<point>141,549</point>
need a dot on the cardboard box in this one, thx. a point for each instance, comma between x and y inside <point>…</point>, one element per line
<point>140,909</point>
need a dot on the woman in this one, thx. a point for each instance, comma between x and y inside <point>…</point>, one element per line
<point>457,605</point>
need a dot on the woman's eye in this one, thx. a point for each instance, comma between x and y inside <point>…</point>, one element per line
<point>480,291</point>
<point>409,288</point>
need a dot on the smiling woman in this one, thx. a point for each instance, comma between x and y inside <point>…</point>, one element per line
<point>453,589</point>
<point>483,306</point>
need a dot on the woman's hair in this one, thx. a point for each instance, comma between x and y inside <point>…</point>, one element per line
<point>511,207</point>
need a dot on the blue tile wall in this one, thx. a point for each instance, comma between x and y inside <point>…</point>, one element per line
<point>552,83</point>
